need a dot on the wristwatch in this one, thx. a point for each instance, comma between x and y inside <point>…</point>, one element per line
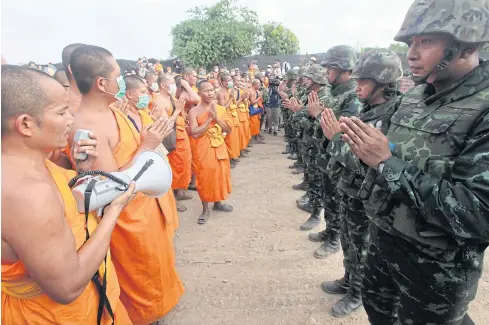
<point>380,167</point>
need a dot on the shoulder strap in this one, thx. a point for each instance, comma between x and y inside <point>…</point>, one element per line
<point>172,104</point>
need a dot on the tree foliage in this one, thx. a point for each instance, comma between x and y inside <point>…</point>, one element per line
<point>277,40</point>
<point>399,47</point>
<point>217,34</point>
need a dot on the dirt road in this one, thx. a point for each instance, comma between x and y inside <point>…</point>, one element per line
<point>253,266</point>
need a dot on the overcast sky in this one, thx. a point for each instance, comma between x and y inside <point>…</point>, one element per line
<point>38,30</point>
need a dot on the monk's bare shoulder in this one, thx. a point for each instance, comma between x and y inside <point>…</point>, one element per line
<point>29,203</point>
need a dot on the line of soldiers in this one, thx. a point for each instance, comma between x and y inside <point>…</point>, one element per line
<point>402,179</point>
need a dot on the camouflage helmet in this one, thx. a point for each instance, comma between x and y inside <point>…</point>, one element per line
<point>342,57</point>
<point>465,20</point>
<point>300,72</point>
<point>291,75</point>
<point>317,73</point>
<point>383,66</point>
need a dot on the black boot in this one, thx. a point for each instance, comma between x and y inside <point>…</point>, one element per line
<point>337,287</point>
<point>298,171</point>
<point>305,206</point>
<point>330,246</point>
<point>303,199</point>
<point>304,186</point>
<point>313,220</point>
<point>287,150</point>
<point>293,156</point>
<point>318,236</point>
<point>348,304</point>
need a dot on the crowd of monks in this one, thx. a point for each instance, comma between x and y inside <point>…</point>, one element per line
<point>67,267</point>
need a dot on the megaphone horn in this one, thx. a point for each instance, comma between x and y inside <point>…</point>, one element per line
<point>150,171</point>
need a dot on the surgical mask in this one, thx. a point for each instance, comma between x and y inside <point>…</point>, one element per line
<point>154,87</point>
<point>202,73</point>
<point>216,70</point>
<point>172,89</point>
<point>230,84</point>
<point>269,69</point>
<point>143,101</point>
<point>122,88</point>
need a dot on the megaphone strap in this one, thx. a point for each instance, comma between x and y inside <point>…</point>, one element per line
<point>101,288</point>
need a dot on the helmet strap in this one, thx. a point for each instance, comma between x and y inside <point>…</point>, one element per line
<point>443,64</point>
<point>372,92</point>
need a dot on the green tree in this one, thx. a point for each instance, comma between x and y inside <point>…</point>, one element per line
<point>277,40</point>
<point>399,47</point>
<point>216,35</point>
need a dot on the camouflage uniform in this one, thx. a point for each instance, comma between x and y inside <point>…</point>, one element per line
<point>429,202</point>
<point>345,104</point>
<point>294,123</point>
<point>287,113</point>
<point>318,75</point>
<point>347,172</point>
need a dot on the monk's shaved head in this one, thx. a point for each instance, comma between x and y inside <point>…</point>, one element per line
<point>134,82</point>
<point>202,83</point>
<point>256,82</point>
<point>164,77</point>
<point>89,62</point>
<point>62,77</point>
<point>188,71</point>
<point>23,92</point>
<point>66,57</point>
<point>149,75</point>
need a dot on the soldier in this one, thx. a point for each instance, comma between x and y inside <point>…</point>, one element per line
<point>427,192</point>
<point>378,73</point>
<point>290,81</point>
<point>339,61</point>
<point>316,81</point>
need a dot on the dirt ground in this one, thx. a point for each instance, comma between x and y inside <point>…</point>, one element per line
<point>254,266</point>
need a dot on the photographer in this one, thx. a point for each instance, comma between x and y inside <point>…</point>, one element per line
<point>273,106</point>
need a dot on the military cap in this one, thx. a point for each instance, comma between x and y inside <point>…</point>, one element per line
<point>383,66</point>
<point>342,57</point>
<point>317,73</point>
<point>465,20</point>
<point>291,75</point>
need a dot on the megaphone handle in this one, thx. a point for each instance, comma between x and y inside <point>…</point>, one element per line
<point>143,169</point>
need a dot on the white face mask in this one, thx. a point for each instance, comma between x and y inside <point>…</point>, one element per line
<point>154,87</point>
<point>172,89</point>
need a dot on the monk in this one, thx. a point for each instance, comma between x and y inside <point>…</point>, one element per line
<point>207,123</point>
<point>61,77</point>
<point>228,97</point>
<point>151,80</point>
<point>52,257</point>
<point>142,241</point>
<point>74,96</point>
<point>180,158</point>
<point>256,100</point>
<point>188,92</point>
<point>244,124</point>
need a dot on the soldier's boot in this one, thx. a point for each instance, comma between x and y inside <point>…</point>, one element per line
<point>313,220</point>
<point>296,165</point>
<point>261,137</point>
<point>318,236</point>
<point>330,246</point>
<point>337,287</point>
<point>298,171</point>
<point>348,304</point>
<point>304,186</point>
<point>287,150</point>
<point>304,199</point>
<point>305,206</point>
<point>293,156</point>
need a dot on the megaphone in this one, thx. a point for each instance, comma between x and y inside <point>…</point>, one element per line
<point>150,171</point>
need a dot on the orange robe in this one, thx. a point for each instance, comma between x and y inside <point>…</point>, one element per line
<point>232,139</point>
<point>213,171</point>
<point>142,243</point>
<point>255,120</point>
<point>244,125</point>
<point>181,157</point>
<point>23,301</point>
